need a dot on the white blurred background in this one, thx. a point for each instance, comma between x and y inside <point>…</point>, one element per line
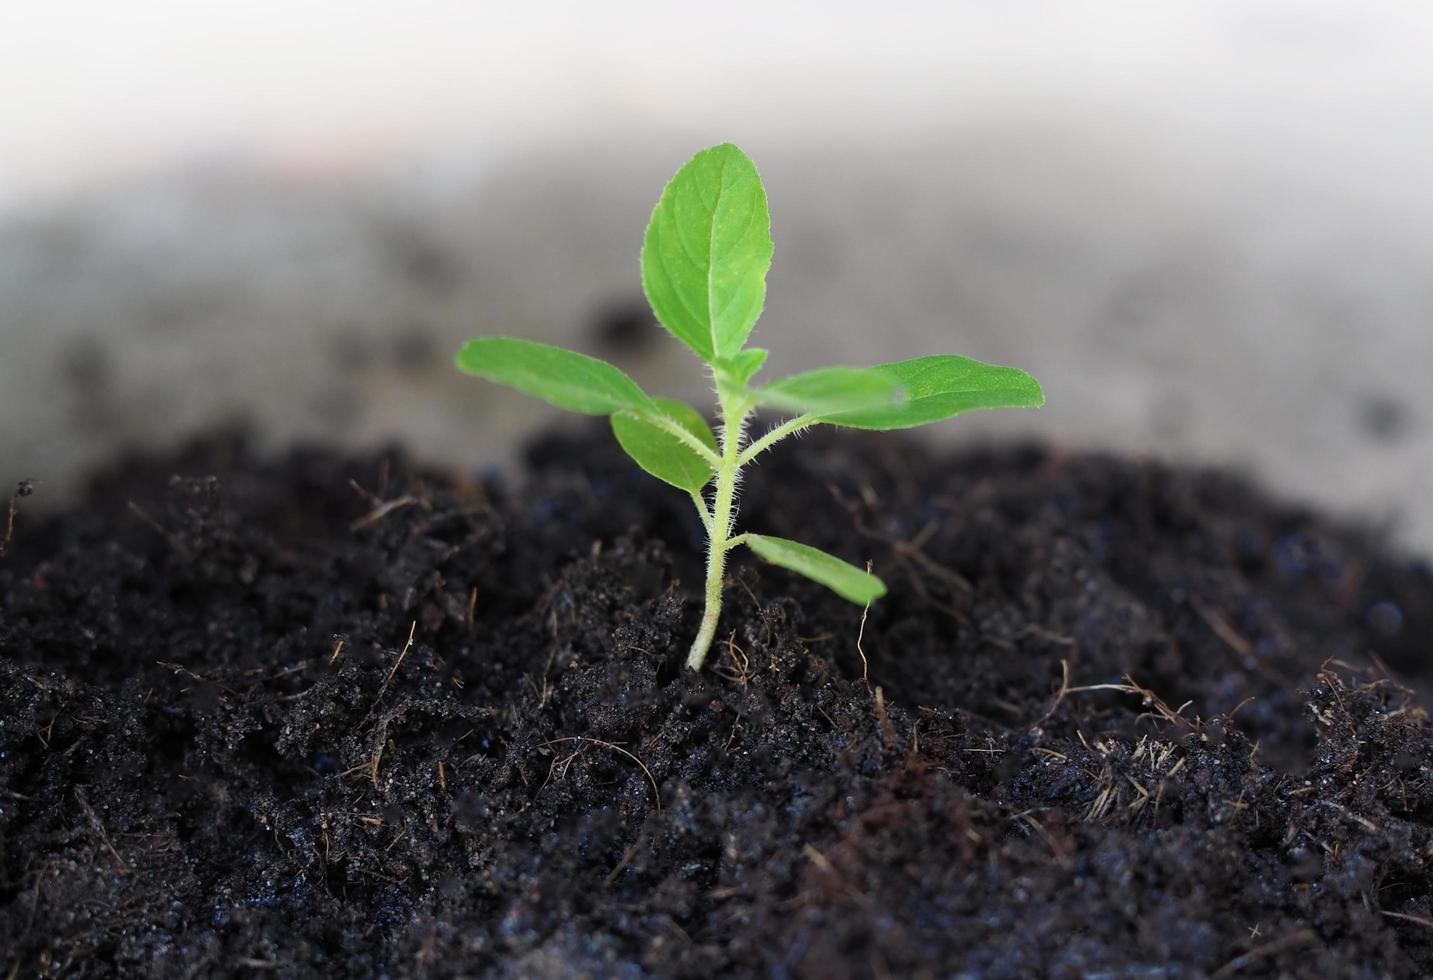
<point>1207,226</point>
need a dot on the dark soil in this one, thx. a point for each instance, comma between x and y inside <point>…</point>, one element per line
<point>327,716</point>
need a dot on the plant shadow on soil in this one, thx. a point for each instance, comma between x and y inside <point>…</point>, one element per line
<point>319,715</point>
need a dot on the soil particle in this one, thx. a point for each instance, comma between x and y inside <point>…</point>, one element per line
<point>343,717</point>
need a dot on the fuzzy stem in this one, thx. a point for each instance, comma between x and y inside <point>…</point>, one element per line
<point>723,516</point>
<point>776,435</point>
<point>677,429</point>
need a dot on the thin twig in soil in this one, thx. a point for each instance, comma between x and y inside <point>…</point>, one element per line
<point>820,860</point>
<point>861,635</point>
<point>294,669</point>
<point>1060,694</point>
<point>383,510</point>
<point>9,536</point>
<point>100,831</point>
<point>1363,822</point>
<point>1061,852</point>
<point>383,688</point>
<point>1162,711</point>
<point>735,726</point>
<point>1234,640</point>
<point>911,553</point>
<point>823,863</point>
<point>138,511</point>
<point>378,759</point>
<point>1293,940</point>
<point>412,628</point>
<point>739,672</point>
<point>366,494</point>
<point>1417,920</point>
<point>622,864</point>
<point>656,791</point>
<point>35,899</point>
<point>883,718</point>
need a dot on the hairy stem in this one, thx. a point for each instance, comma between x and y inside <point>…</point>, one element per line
<point>678,430</point>
<point>723,516</point>
<point>776,435</point>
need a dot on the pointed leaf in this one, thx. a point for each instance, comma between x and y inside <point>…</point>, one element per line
<point>941,386</point>
<point>844,579</point>
<point>833,389</point>
<point>707,250</point>
<point>662,454</point>
<point>744,364</point>
<point>565,378</point>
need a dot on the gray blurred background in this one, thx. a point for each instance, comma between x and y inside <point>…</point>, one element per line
<point>1206,226</point>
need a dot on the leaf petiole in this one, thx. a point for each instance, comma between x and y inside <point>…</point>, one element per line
<point>706,515</point>
<point>671,425</point>
<point>789,427</point>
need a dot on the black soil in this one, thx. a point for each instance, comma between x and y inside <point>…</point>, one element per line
<point>329,716</point>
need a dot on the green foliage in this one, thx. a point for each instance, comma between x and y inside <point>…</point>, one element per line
<point>941,386</point>
<point>842,578</point>
<point>704,263</point>
<point>661,452</point>
<point>743,365</point>
<point>707,250</point>
<point>565,378</point>
<point>833,390</point>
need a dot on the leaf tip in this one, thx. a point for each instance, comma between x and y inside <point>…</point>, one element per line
<point>466,357</point>
<point>878,588</point>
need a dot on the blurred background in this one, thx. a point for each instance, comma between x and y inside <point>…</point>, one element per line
<point>1207,226</point>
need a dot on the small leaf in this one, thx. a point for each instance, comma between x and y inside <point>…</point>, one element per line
<point>565,378</point>
<point>842,578</point>
<point>662,454</point>
<point>941,386</point>
<point>833,389</point>
<point>744,364</point>
<point>707,251</point>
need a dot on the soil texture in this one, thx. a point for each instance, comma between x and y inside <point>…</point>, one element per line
<point>327,716</point>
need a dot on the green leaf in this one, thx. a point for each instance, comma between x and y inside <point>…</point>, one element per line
<point>565,378</point>
<point>941,386</point>
<point>744,364</point>
<point>842,578</point>
<point>707,251</point>
<point>833,389</point>
<point>662,454</point>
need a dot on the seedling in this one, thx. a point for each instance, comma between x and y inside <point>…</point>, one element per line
<point>704,263</point>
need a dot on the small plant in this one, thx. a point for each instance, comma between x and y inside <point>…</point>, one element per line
<point>704,263</point>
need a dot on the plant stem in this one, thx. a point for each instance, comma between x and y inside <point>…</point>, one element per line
<point>702,511</point>
<point>776,435</point>
<point>723,515</point>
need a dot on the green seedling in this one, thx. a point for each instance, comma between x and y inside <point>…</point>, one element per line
<point>704,263</point>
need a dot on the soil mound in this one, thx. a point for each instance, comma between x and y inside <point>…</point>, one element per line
<point>319,715</point>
